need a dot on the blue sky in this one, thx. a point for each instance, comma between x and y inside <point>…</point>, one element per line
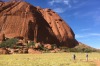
<point>83,16</point>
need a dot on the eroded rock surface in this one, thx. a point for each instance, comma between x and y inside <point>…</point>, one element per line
<point>21,19</point>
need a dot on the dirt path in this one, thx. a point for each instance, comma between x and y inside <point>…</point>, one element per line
<point>97,63</point>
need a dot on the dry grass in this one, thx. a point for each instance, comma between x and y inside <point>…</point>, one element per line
<point>48,59</point>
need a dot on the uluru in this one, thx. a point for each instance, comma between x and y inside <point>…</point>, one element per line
<point>25,21</point>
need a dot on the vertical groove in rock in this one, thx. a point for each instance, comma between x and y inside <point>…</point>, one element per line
<point>20,19</point>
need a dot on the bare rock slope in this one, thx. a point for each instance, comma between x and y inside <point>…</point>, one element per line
<point>21,19</point>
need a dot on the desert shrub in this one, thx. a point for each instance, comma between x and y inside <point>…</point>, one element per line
<point>78,49</point>
<point>31,44</point>
<point>98,50</point>
<point>41,47</point>
<point>81,50</point>
<point>9,43</point>
<point>89,50</point>
<point>64,49</point>
<point>54,46</point>
<point>46,50</point>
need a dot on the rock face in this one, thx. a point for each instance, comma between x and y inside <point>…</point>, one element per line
<point>2,37</point>
<point>4,51</point>
<point>20,19</point>
<point>48,46</point>
<point>31,51</point>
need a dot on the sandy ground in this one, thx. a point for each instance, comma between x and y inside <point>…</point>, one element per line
<point>97,63</point>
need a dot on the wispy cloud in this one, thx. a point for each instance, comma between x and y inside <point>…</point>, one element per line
<point>94,34</point>
<point>87,35</point>
<point>79,36</point>
<point>79,5</point>
<point>66,2</point>
<point>60,6</point>
<point>59,10</point>
<point>52,2</point>
<point>86,29</point>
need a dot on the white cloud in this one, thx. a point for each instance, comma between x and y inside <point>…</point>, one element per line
<point>95,34</point>
<point>52,2</point>
<point>86,29</point>
<point>87,35</point>
<point>60,6</point>
<point>59,10</point>
<point>79,36</point>
<point>66,2</point>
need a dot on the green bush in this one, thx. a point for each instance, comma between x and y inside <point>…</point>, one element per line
<point>54,46</point>
<point>41,47</point>
<point>78,49</point>
<point>9,43</point>
<point>31,44</point>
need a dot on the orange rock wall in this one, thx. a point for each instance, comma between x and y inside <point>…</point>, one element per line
<point>20,19</point>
